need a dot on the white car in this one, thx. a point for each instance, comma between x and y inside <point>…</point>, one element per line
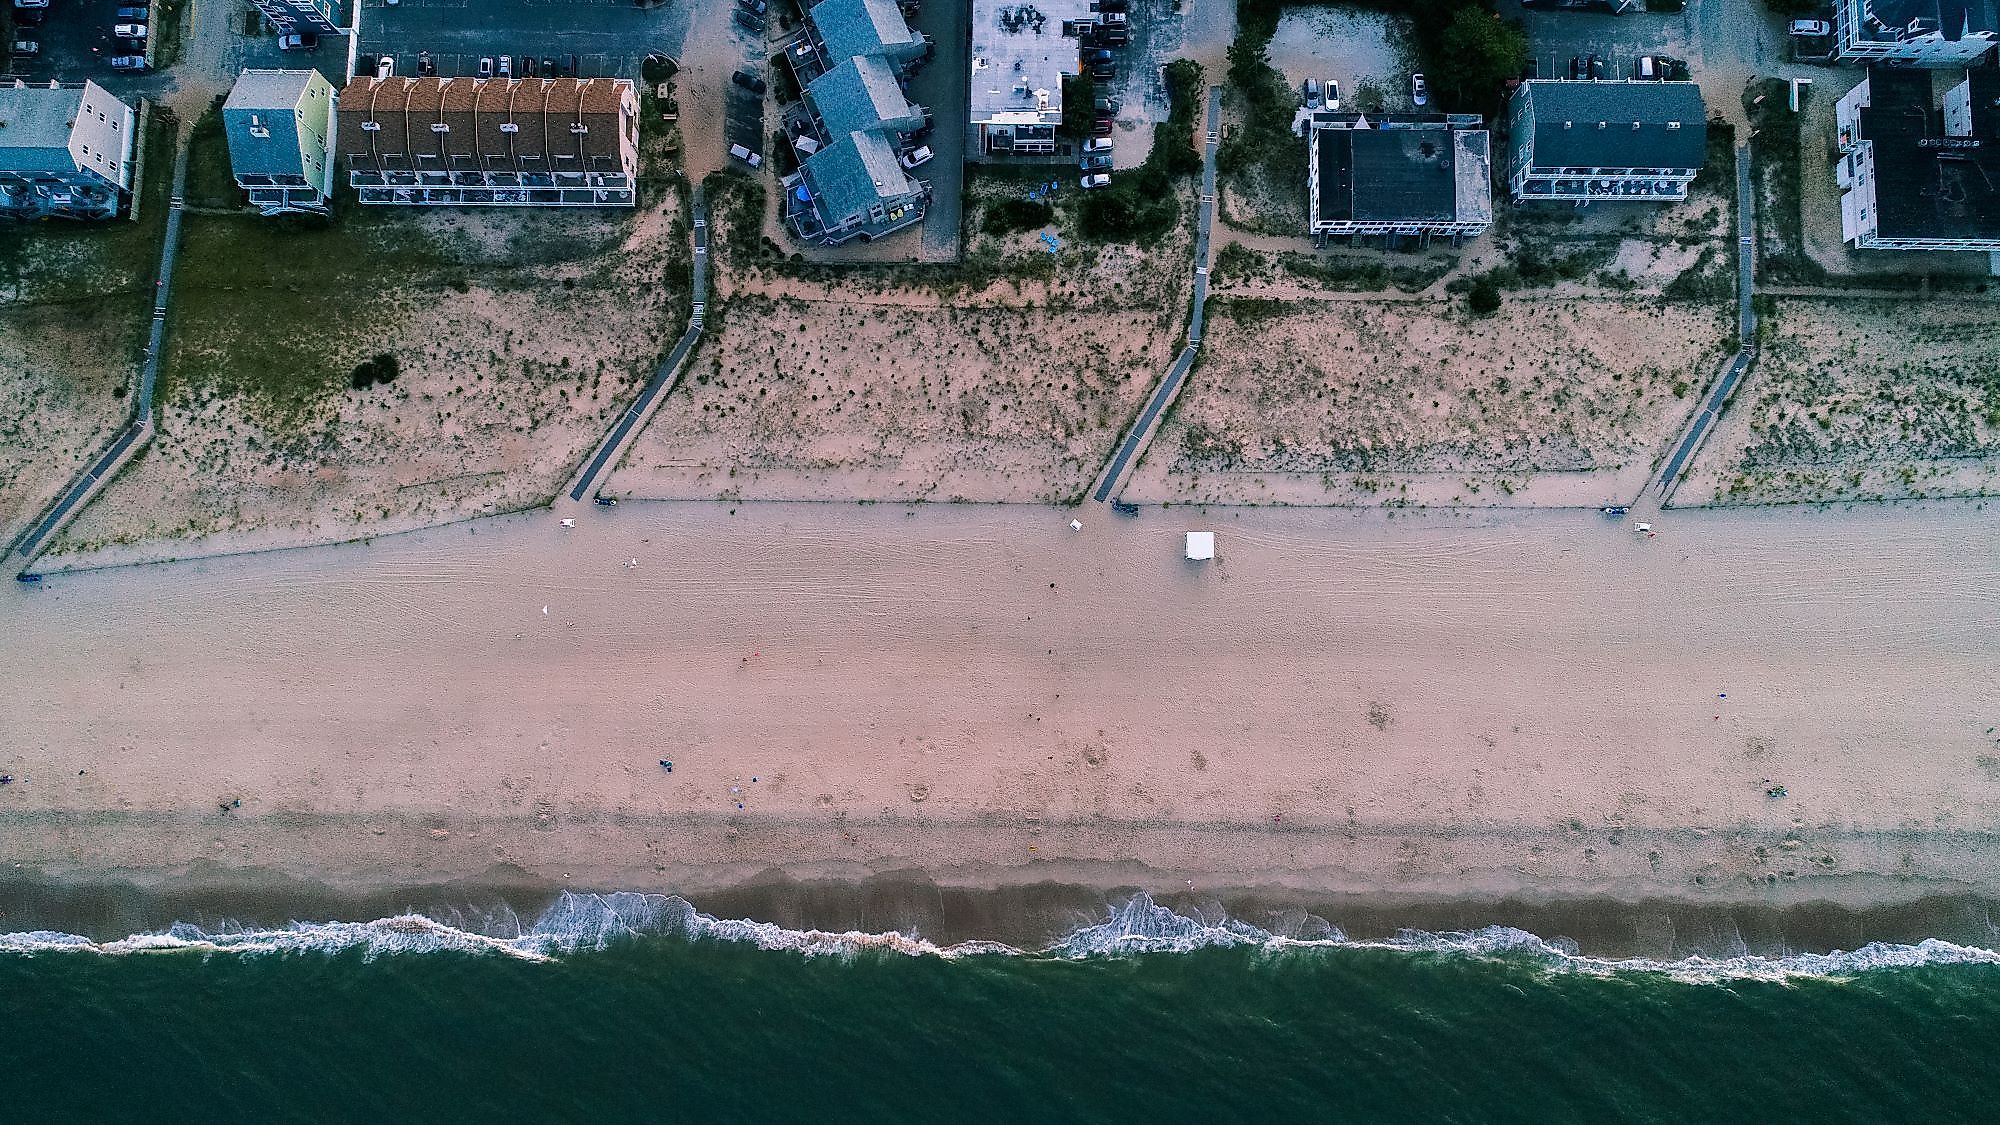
<point>1333,95</point>
<point>1811,28</point>
<point>129,30</point>
<point>506,66</point>
<point>1101,179</point>
<point>1420,91</point>
<point>386,68</point>
<point>918,156</point>
<point>1097,144</point>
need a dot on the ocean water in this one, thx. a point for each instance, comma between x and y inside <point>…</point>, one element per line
<point>643,1008</point>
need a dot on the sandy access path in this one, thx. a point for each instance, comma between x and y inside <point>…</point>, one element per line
<point>1485,704</point>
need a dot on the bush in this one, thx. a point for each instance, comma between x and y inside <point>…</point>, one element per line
<point>1007,216</point>
<point>1079,106</point>
<point>1135,206</point>
<point>381,369</point>
<point>1484,297</point>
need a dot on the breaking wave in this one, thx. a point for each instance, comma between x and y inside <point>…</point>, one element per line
<point>585,922</point>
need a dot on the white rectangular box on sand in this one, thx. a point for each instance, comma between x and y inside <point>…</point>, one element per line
<point>1201,545</point>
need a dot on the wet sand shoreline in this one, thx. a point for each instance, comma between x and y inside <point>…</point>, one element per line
<point>1345,708</point>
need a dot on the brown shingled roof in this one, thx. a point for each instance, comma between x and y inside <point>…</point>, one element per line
<point>564,124</point>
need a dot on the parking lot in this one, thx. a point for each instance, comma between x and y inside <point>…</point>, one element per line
<point>943,86</point>
<point>1556,37</point>
<point>587,38</point>
<point>76,43</point>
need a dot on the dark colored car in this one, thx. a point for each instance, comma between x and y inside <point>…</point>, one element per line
<point>426,66</point>
<point>1113,37</point>
<point>139,14</point>
<point>1597,70</point>
<point>1095,162</point>
<point>757,6</point>
<point>527,66</point>
<point>748,19</point>
<point>748,81</point>
<point>1104,71</point>
<point>1114,5</point>
<point>1096,54</point>
<point>1102,127</point>
<point>548,66</point>
<point>1578,67</point>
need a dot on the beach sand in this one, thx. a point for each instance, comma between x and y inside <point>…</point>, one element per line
<point>1441,706</point>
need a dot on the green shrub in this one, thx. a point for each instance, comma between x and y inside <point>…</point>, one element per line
<point>1007,216</point>
<point>1484,297</point>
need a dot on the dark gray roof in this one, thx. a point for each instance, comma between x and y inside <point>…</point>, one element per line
<point>1386,175</point>
<point>1928,185</point>
<point>1886,19</point>
<point>864,27</point>
<point>861,93</point>
<point>1616,124</point>
<point>853,174</point>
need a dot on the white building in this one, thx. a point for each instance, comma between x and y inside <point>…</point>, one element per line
<point>1920,32</point>
<point>1020,56</point>
<point>1914,175</point>
<point>65,151</point>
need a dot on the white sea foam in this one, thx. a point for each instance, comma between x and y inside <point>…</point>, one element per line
<point>584,922</point>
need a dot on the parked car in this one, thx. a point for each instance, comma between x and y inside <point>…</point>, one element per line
<point>128,62</point>
<point>30,17</point>
<point>754,160</point>
<point>426,66</point>
<point>1113,37</point>
<point>749,82</point>
<point>917,156</point>
<point>139,14</point>
<point>26,48</point>
<point>129,30</point>
<point>1107,106</point>
<point>1102,127</point>
<point>1097,54</point>
<point>30,5</point>
<point>750,20</point>
<point>1096,180</point>
<point>298,41</point>
<point>1104,71</point>
<point>1333,95</point>
<point>1644,69</point>
<point>1597,68</point>
<point>1094,162</point>
<point>1811,28</point>
<point>506,66</point>
<point>1097,144</point>
<point>757,6</point>
<point>1313,97</point>
<point>386,68</point>
<point>1579,67</point>
<point>527,66</point>
<point>1420,90</point>
<point>1112,5</point>
<point>548,66</point>
<point>486,67</point>
<point>1113,19</point>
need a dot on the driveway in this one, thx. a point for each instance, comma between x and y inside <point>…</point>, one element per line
<point>1555,37</point>
<point>606,38</point>
<point>944,86</point>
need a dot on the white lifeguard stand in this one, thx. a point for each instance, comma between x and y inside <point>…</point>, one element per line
<point>1201,545</point>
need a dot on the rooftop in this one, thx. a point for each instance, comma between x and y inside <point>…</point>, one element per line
<point>1617,124</point>
<point>1400,168</point>
<point>855,173</point>
<point>861,93</point>
<point>578,120</point>
<point>1929,184</point>
<point>864,27</point>
<point>1953,19</point>
<point>1019,58</point>
<point>277,123</point>
<point>35,124</point>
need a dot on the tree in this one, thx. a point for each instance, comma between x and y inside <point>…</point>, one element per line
<point>1477,53</point>
<point>1079,106</point>
<point>1484,297</point>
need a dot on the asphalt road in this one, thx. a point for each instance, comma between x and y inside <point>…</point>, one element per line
<point>608,37</point>
<point>1142,430</point>
<point>944,86</point>
<point>669,367</point>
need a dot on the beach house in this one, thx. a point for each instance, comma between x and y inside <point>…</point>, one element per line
<point>280,125</point>
<point>66,151</point>
<point>1398,175</point>
<point>534,142</point>
<point>1020,58</point>
<point>1915,32</point>
<point>1917,173</point>
<point>1587,142</point>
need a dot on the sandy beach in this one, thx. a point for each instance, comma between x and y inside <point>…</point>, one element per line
<point>1439,706</point>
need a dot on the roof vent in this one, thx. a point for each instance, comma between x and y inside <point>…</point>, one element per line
<point>1673,124</point>
<point>509,127</point>
<point>1635,126</point>
<point>1602,124</point>
<point>1569,124</point>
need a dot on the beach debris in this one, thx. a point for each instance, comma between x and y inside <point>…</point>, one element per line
<point>6,779</point>
<point>1076,525</point>
<point>569,523</point>
<point>545,611</point>
<point>1775,791</point>
<point>632,564</point>
<point>666,765</point>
